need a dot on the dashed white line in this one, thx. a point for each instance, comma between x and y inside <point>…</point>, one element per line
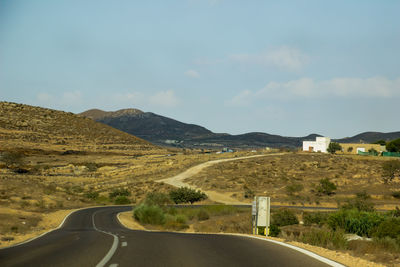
<point>124,244</point>
<point>113,248</point>
<point>113,265</point>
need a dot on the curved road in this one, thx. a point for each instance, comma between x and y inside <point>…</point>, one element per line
<point>94,237</point>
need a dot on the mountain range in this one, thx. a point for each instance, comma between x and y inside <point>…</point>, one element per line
<point>165,131</point>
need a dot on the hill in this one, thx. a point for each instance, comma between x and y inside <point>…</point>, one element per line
<point>29,127</point>
<point>166,131</point>
<point>149,126</point>
<point>370,137</point>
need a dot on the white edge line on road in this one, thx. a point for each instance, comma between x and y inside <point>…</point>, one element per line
<point>113,248</point>
<point>45,233</point>
<point>61,224</point>
<point>304,251</point>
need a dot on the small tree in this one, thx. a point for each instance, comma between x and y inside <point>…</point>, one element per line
<point>186,195</point>
<point>390,170</point>
<point>350,149</point>
<point>333,147</point>
<point>393,146</point>
<point>326,187</point>
<point>380,142</point>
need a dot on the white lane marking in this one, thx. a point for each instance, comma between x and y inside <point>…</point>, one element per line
<point>114,265</point>
<point>113,248</point>
<point>304,251</point>
<point>124,244</point>
<point>122,236</point>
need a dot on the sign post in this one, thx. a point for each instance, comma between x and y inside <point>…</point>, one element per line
<point>261,215</point>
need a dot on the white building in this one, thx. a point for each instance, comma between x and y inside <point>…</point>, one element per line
<point>319,145</point>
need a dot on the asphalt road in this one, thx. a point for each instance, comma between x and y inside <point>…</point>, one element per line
<point>94,237</point>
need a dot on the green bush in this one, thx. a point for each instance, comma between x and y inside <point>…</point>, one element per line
<point>393,146</point>
<point>159,199</point>
<point>119,192</point>
<point>186,195</point>
<point>203,215</point>
<point>92,195</point>
<point>121,200</point>
<point>325,238</point>
<point>181,218</point>
<point>149,215</point>
<point>274,230</point>
<point>361,203</point>
<point>326,187</point>
<point>390,227</point>
<point>354,221</point>
<point>333,147</point>
<point>284,217</point>
<point>318,218</point>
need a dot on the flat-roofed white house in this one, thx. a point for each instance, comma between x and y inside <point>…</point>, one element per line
<point>319,145</point>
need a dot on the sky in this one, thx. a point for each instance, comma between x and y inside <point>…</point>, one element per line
<point>281,67</point>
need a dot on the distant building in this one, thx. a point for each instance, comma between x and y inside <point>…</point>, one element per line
<point>348,148</point>
<point>319,145</point>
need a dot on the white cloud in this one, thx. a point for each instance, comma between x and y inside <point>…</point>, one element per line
<point>374,87</point>
<point>192,74</point>
<point>71,97</point>
<point>164,99</point>
<point>284,57</point>
<point>66,99</point>
<point>243,99</point>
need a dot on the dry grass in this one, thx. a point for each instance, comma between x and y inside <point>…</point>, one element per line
<point>292,178</point>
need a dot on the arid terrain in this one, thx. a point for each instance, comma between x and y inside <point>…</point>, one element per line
<point>61,161</point>
<point>292,179</point>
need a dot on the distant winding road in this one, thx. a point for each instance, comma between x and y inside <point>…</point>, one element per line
<point>94,237</point>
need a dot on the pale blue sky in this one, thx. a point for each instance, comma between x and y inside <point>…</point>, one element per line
<point>281,67</point>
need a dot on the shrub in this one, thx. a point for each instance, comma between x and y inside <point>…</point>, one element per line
<point>274,230</point>
<point>318,218</point>
<point>325,238</point>
<point>203,215</point>
<point>326,187</point>
<point>92,167</point>
<point>119,192</point>
<point>149,215</point>
<point>393,146</point>
<point>121,200</point>
<point>248,193</point>
<point>388,228</point>
<point>390,170</point>
<point>294,188</point>
<point>186,195</point>
<point>333,147</point>
<point>13,159</point>
<point>159,199</point>
<point>92,195</point>
<point>356,222</point>
<point>396,194</point>
<point>284,217</point>
<point>361,203</point>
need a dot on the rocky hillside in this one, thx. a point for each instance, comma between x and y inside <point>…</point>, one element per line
<point>149,126</point>
<point>25,126</point>
<point>166,131</point>
<point>370,137</point>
